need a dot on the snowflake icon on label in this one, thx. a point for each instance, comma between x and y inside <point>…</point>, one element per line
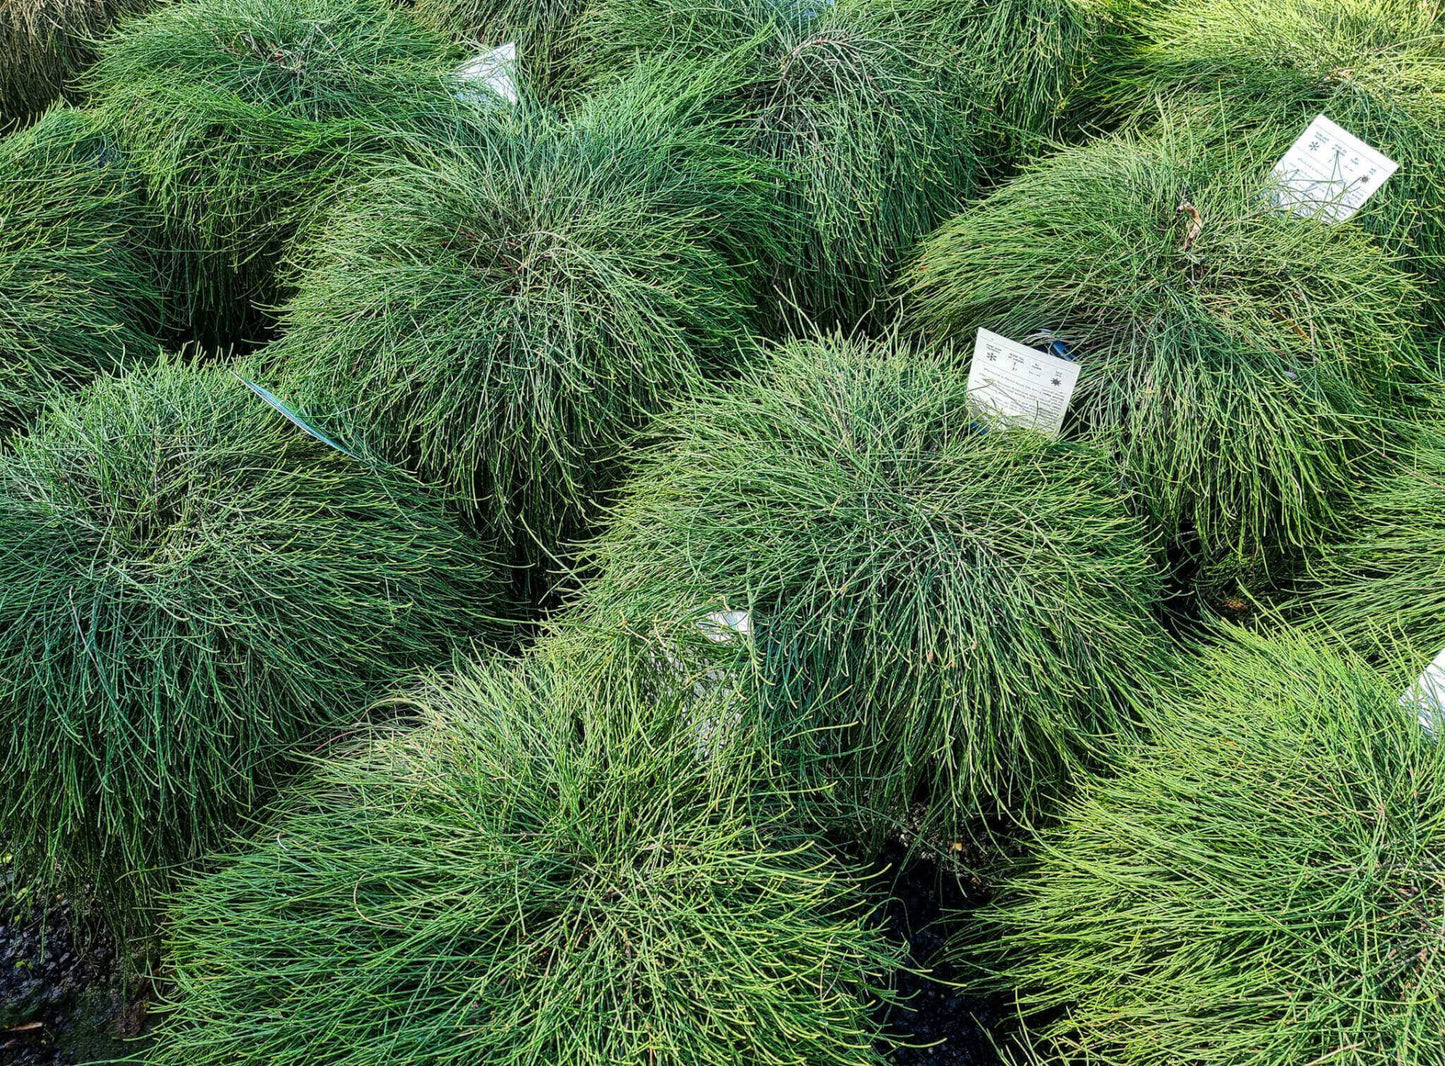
<point>1328,173</point>
<point>1021,384</point>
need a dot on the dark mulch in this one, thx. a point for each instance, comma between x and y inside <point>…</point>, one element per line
<point>943,1024</point>
<point>61,1000</point>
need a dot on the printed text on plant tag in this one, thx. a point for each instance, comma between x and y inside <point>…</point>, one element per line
<point>1329,173</point>
<point>1020,383</point>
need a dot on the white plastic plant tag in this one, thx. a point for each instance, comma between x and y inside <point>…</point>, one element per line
<point>1329,173</point>
<point>494,70</point>
<point>1427,696</point>
<point>724,627</point>
<point>1020,383</point>
<point>715,688</point>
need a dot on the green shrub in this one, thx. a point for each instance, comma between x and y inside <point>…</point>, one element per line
<point>1239,375</point>
<point>848,99</point>
<point>505,313</point>
<point>1376,67</point>
<point>940,614</point>
<point>78,292</point>
<point>541,30</point>
<point>518,881</point>
<point>1378,589</point>
<point>1023,66</point>
<point>1264,884</point>
<point>243,116</point>
<point>190,588</point>
<point>44,44</point>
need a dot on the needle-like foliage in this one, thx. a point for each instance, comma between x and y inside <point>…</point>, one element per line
<point>516,881</point>
<point>1022,65</point>
<point>1379,589</point>
<point>1265,883</point>
<point>190,588</point>
<point>243,116</point>
<point>1235,356</point>
<point>44,44</point>
<point>505,313</point>
<point>1376,67</point>
<point>541,30</point>
<point>78,292</point>
<point>849,99</point>
<point>939,613</point>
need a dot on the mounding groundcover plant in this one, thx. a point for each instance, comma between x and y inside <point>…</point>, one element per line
<point>944,621</point>
<point>44,44</point>
<point>523,878</point>
<point>506,313</point>
<point>243,116</point>
<point>78,291</point>
<point>1376,67</point>
<point>1265,883</point>
<point>852,100</point>
<point>1236,357</point>
<point>191,588</point>
<point>1378,588</point>
<point>1027,67</point>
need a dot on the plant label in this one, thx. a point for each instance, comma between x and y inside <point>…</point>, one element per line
<point>1021,384</point>
<point>714,684</point>
<point>1329,173</point>
<point>1427,696</point>
<point>724,627</point>
<point>494,70</point>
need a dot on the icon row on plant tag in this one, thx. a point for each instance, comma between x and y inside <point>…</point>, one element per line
<point>1329,173</point>
<point>1426,697</point>
<point>1021,384</point>
<point>494,71</point>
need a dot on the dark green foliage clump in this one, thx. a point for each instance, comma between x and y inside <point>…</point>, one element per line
<point>1238,371</point>
<point>44,44</point>
<point>1023,66</point>
<point>1379,588</point>
<point>853,101</point>
<point>1376,67</point>
<point>516,880</point>
<point>78,291</point>
<point>939,613</point>
<point>243,116</point>
<point>190,588</point>
<point>541,30</point>
<point>1265,883</point>
<point>504,314</point>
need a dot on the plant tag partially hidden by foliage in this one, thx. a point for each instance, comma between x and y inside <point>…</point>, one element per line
<point>1329,173</point>
<point>1020,383</point>
<point>1427,696</point>
<point>494,70</point>
<point>724,627</point>
<point>720,627</point>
